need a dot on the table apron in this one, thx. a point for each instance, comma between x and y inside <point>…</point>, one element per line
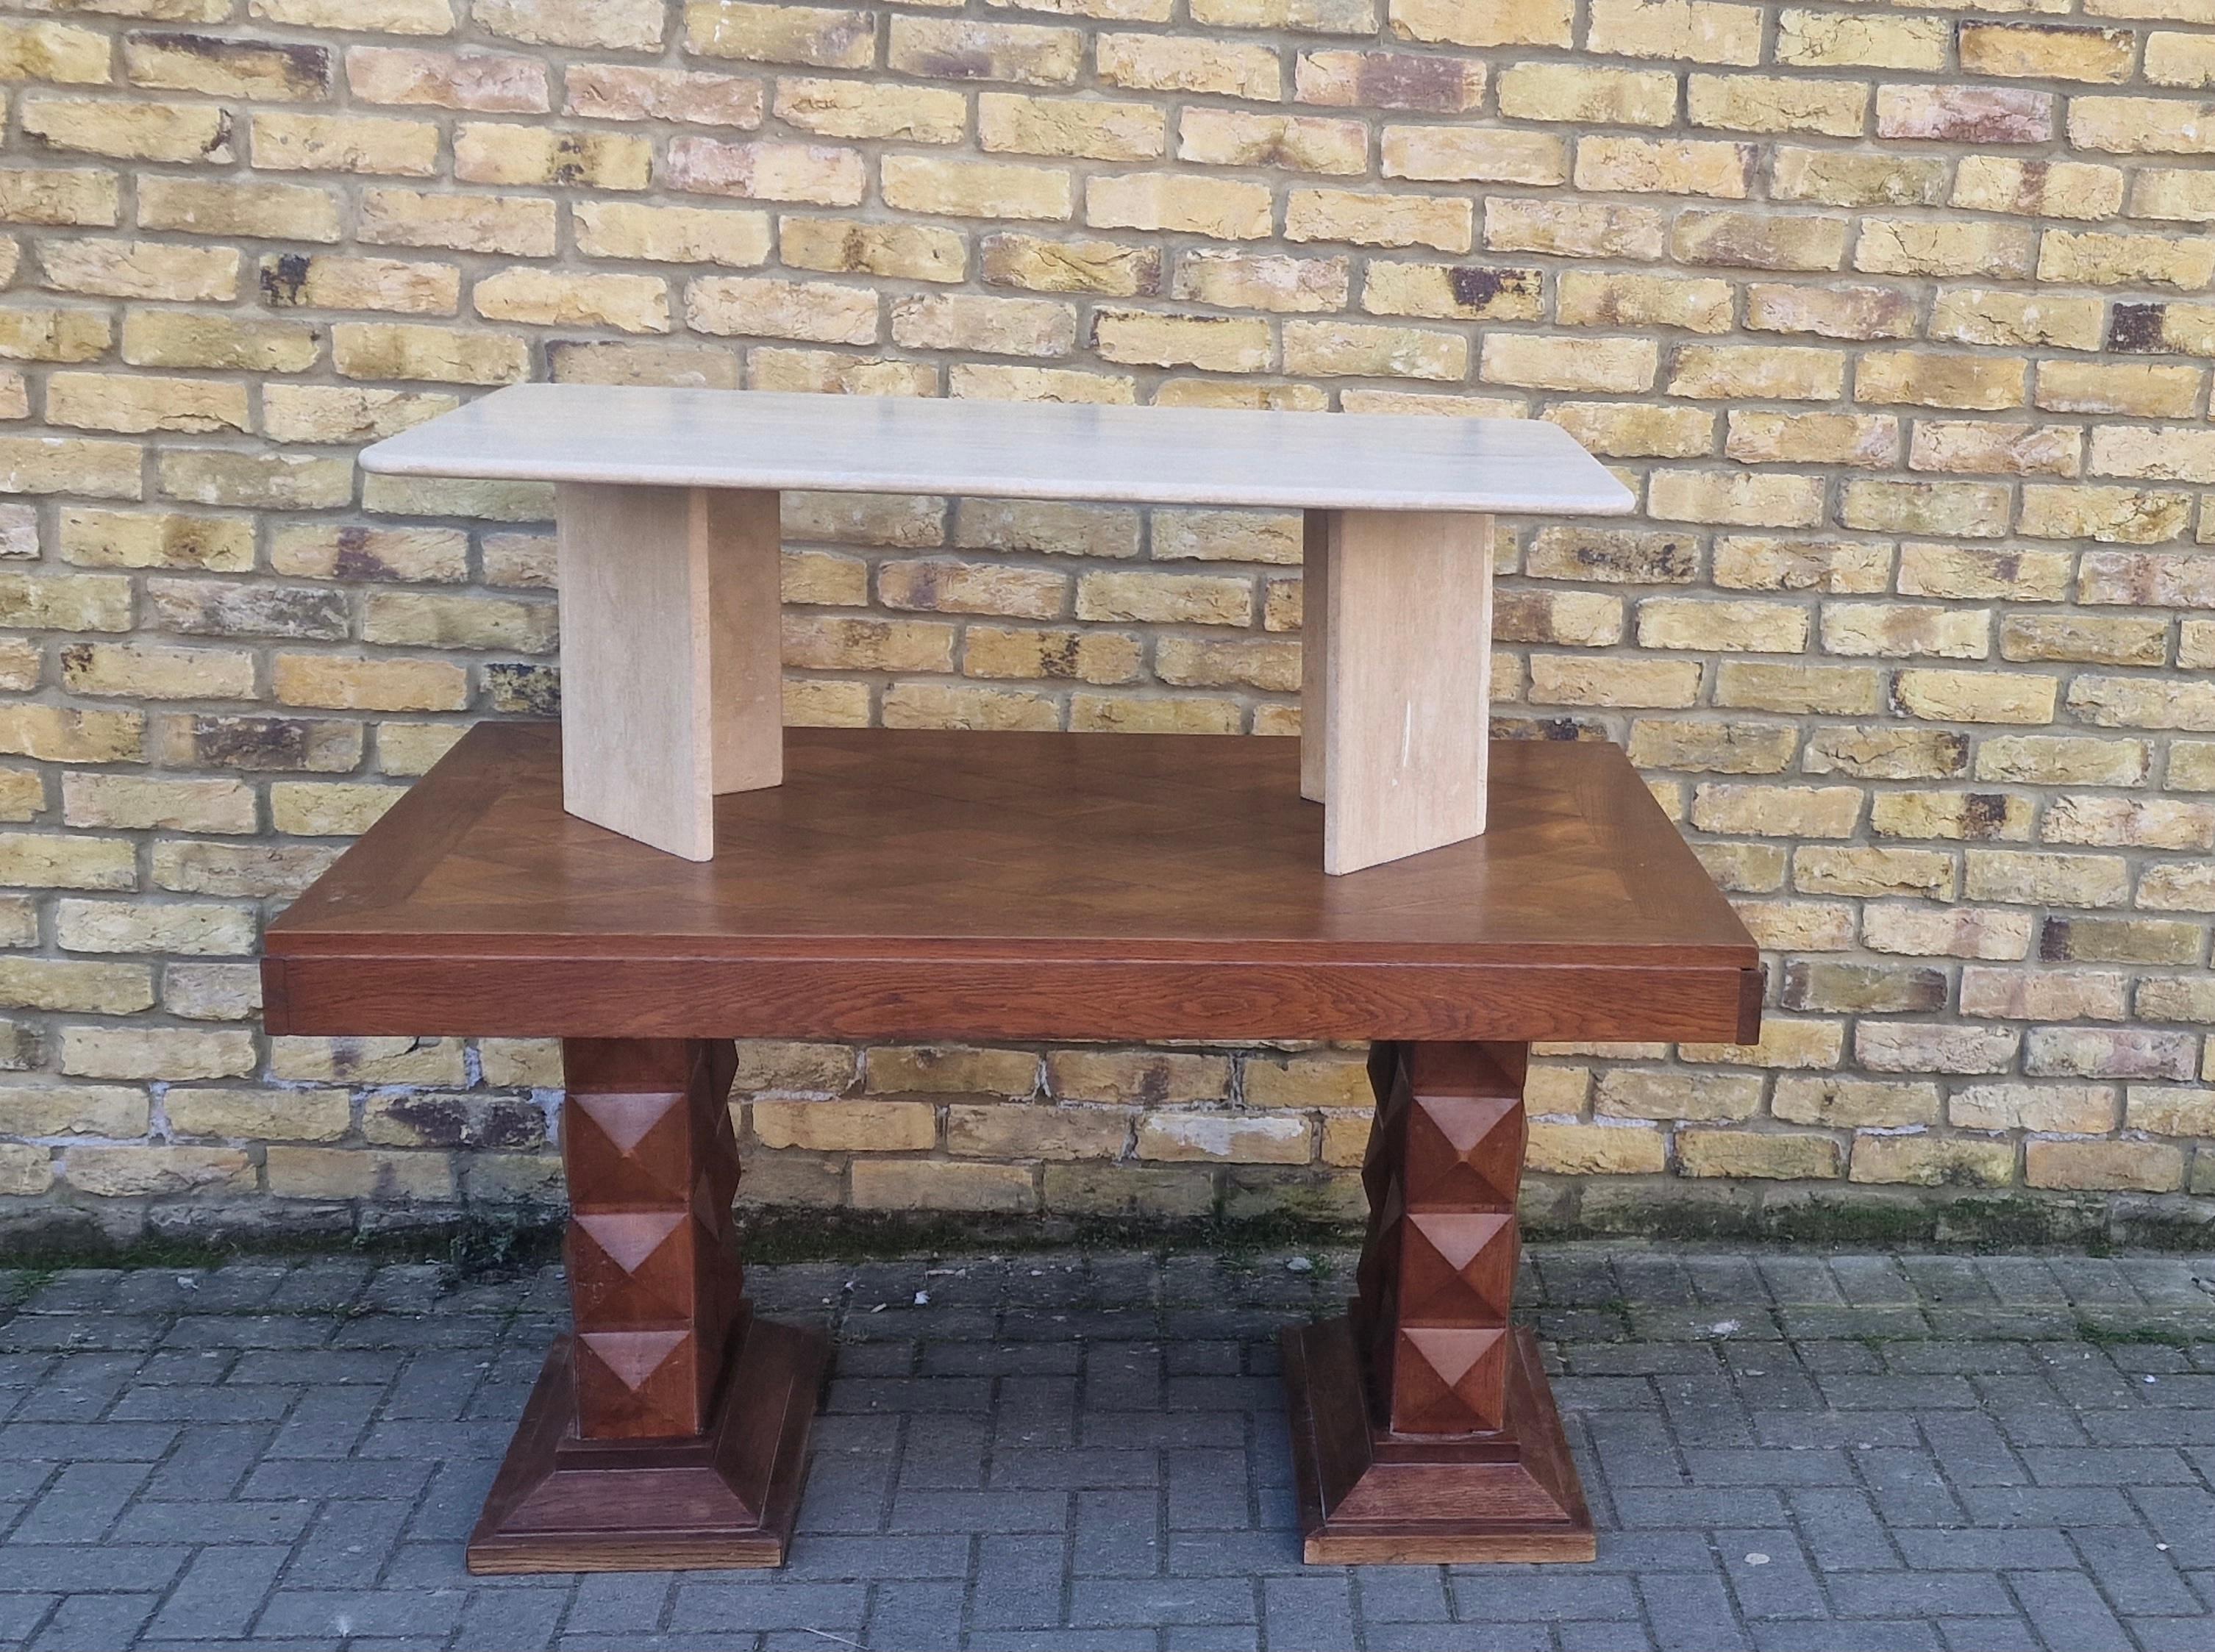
<point>422,995</point>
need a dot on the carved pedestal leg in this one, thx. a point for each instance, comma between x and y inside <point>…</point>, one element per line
<point>1423,1429</point>
<point>671,1430</point>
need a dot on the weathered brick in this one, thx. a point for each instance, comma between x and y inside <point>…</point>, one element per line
<point>483,81</point>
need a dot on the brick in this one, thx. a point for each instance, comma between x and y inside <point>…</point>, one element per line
<point>1228,1138</point>
<point>1710,626</point>
<point>1563,680</point>
<point>123,1172</point>
<point>1572,92</point>
<point>1836,178</point>
<point>2139,125</point>
<point>603,25</point>
<point>2165,1111</point>
<point>1830,40</point>
<point>290,142</point>
<point>1390,80</point>
<point>128,269</point>
<point>2046,51</point>
<point>520,226</point>
<point>2095,258</point>
<point>630,303</point>
<point>1463,153</point>
<point>1220,342</point>
<point>1975,445</point>
<point>1569,363</point>
<point>222,67</point>
<point>331,282</point>
<point>1697,31</point>
<point>1961,932</point>
<point>1217,208</point>
<point>1379,220</point>
<point>177,133</point>
<point>1326,349</point>
<point>1760,103</point>
<point>1110,268</point>
<point>1939,379</point>
<point>932,1184</point>
<point>1628,1092</point>
<point>400,1177</point>
<point>1966,114</point>
<point>2069,1107</point>
<point>847,1126</point>
<point>385,16</point>
<point>1482,22</point>
<point>196,206</point>
<point>1760,373</point>
<point>54,51</point>
<point>615,92</point>
<point>2109,514</point>
<point>1835,312</point>
<point>2138,389</point>
<point>2152,1167</point>
<point>958,49</point>
<point>1855,1104</point>
<point>1932,1161</point>
<point>501,152</point>
<point>1565,1149</point>
<point>2053,189</point>
<point>1669,166</point>
<point>483,81</point>
<point>1236,138</point>
<point>1636,430</point>
<point>1920,246</point>
<point>976,188</point>
<point>1012,1130</point>
<point>1737,499</point>
<point>1243,281</point>
<point>1759,1155</point>
<point>1753,562</point>
<point>164,1052</point>
<point>819,36</point>
<point>1572,228</point>
<point>1164,64</point>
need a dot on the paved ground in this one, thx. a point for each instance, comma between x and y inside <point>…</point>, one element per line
<point>1784,1451</point>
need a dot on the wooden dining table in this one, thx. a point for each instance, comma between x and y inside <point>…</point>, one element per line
<point>1029,889</point>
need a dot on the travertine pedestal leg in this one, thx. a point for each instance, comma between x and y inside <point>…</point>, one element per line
<point>671,1430</point>
<point>671,656</point>
<point>1423,1429</point>
<point>1395,680</point>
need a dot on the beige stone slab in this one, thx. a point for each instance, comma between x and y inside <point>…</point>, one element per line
<point>655,436</point>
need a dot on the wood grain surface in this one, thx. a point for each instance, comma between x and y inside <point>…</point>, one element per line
<point>931,883</point>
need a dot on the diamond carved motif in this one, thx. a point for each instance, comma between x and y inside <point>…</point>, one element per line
<point>1464,1152</point>
<point>1450,1380</point>
<point>1457,1269</point>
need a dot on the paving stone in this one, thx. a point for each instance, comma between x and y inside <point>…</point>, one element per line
<point>1105,1602</point>
<point>1044,1458</point>
<point>219,1593</point>
<point>2068,1613</point>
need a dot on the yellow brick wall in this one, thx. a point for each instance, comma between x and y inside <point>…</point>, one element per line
<point>1898,318</point>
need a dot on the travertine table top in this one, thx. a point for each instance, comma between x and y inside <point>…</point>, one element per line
<point>680,438</point>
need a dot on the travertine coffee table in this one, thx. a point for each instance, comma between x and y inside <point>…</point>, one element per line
<point>1016,887</point>
<point>668,507</point>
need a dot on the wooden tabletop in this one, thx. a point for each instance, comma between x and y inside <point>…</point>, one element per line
<point>922,884</point>
<point>1038,451</point>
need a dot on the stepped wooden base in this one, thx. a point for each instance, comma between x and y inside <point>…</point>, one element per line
<point>726,1497</point>
<point>1370,1498</point>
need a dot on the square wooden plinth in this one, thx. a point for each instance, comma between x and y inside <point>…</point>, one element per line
<point>726,1498</point>
<point>1369,1498</point>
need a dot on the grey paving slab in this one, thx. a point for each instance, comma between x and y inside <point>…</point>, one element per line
<point>1784,1450</point>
